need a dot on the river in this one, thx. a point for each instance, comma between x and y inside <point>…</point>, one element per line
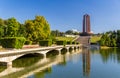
<point>103,63</point>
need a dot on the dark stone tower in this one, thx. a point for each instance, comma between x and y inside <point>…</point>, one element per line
<point>86,25</point>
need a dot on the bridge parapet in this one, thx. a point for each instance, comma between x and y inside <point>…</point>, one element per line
<point>11,55</point>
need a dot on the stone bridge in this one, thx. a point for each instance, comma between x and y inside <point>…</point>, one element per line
<point>24,72</point>
<point>11,55</point>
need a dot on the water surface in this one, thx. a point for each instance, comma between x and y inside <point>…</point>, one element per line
<point>85,64</point>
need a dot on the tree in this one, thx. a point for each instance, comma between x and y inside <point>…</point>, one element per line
<point>113,43</point>
<point>37,29</point>
<point>22,32</point>
<point>102,42</point>
<point>33,30</point>
<point>111,39</point>
<point>29,27</point>
<point>1,27</point>
<point>69,32</point>
<point>12,27</point>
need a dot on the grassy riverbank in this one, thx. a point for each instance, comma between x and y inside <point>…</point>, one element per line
<point>65,38</point>
<point>95,39</point>
<point>106,47</point>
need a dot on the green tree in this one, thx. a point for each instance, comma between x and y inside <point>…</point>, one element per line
<point>12,27</point>
<point>69,32</point>
<point>107,41</point>
<point>110,39</point>
<point>113,43</point>
<point>21,31</point>
<point>1,27</point>
<point>37,29</point>
<point>42,26</point>
<point>102,42</point>
<point>55,33</point>
<point>29,27</point>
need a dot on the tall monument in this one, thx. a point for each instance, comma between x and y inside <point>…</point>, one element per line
<point>86,25</point>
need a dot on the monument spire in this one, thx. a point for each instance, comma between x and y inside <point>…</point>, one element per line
<point>86,25</point>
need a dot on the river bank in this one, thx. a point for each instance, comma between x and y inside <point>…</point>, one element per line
<point>106,47</point>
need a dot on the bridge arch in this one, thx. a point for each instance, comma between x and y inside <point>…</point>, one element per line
<point>31,54</point>
<point>53,52</point>
<point>71,49</point>
<point>64,50</point>
<point>33,58</point>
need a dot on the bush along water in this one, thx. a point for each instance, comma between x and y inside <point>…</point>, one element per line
<point>12,42</point>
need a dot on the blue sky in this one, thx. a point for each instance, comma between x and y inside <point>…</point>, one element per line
<point>65,14</point>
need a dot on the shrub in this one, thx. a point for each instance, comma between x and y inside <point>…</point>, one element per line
<point>69,42</point>
<point>28,42</point>
<point>12,42</point>
<point>61,42</point>
<point>45,42</point>
<point>73,42</point>
<point>77,43</point>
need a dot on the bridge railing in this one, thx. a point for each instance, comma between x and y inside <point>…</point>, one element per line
<point>8,52</point>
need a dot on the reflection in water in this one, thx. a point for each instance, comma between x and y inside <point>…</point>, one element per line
<point>27,60</point>
<point>2,68</point>
<point>86,62</point>
<point>112,54</point>
<point>63,62</point>
<point>41,74</point>
<point>69,65</point>
<point>31,65</point>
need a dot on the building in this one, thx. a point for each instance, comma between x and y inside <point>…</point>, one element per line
<point>86,25</point>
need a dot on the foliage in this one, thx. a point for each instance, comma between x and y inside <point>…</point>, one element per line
<point>45,42</point>
<point>12,42</point>
<point>111,39</point>
<point>69,42</point>
<point>73,42</point>
<point>77,43</point>
<point>1,27</point>
<point>28,42</point>
<point>56,33</point>
<point>37,29</point>
<point>33,30</point>
<point>21,31</point>
<point>61,42</point>
<point>69,32</point>
<point>51,37</point>
<point>12,27</point>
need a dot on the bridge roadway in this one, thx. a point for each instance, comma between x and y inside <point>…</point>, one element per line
<point>23,72</point>
<point>11,55</point>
